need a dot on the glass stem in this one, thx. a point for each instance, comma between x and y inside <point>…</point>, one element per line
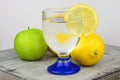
<point>63,56</point>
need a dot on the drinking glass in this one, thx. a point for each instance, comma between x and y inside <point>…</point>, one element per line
<point>60,40</point>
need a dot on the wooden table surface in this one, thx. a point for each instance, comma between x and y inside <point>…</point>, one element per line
<point>13,68</point>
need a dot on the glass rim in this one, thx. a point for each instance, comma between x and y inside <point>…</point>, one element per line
<point>58,9</point>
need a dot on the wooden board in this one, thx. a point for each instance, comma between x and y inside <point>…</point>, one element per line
<point>37,70</point>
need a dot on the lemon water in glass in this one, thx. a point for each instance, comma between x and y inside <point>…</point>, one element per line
<point>60,40</point>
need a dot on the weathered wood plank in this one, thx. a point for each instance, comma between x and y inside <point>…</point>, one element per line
<point>7,55</point>
<point>6,76</point>
<point>111,76</point>
<point>36,70</point>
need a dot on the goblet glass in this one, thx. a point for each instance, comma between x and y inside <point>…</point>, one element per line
<point>60,40</point>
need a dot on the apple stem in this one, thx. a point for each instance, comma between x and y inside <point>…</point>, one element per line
<point>28,27</point>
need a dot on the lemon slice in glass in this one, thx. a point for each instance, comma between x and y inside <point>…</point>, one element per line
<point>81,20</point>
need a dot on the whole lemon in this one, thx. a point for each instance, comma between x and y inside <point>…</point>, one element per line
<point>89,50</point>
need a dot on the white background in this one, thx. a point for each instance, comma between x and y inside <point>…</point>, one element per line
<point>16,15</point>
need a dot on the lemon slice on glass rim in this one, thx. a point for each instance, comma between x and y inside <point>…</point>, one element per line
<point>81,19</point>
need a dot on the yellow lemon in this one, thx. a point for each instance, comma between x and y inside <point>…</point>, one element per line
<point>81,19</point>
<point>89,50</point>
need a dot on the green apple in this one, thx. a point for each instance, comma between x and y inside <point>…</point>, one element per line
<point>30,44</point>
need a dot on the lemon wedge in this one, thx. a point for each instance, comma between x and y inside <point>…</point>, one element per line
<point>81,20</point>
<point>63,37</point>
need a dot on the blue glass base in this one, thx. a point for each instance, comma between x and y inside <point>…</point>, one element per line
<point>63,66</point>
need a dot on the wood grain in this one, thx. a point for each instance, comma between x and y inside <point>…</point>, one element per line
<point>13,67</point>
